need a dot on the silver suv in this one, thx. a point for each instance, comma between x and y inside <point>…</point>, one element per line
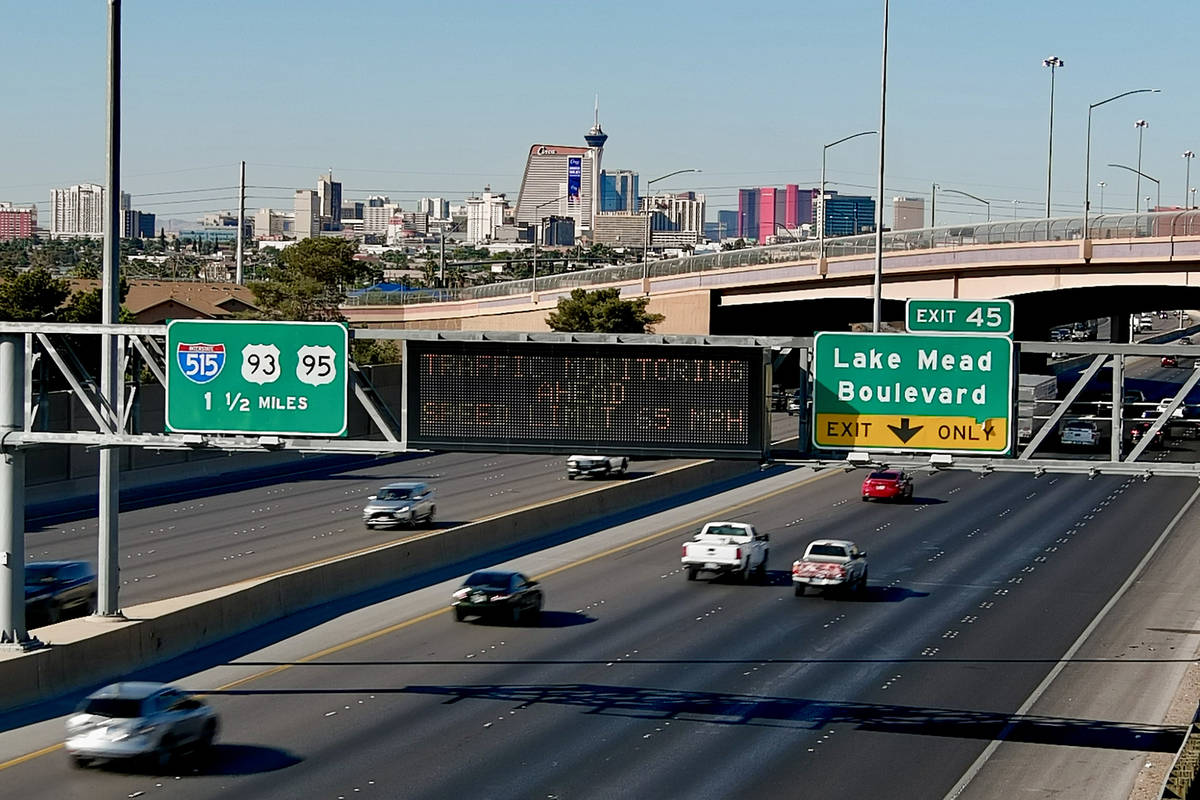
<point>596,466</point>
<point>405,503</point>
<point>139,719</point>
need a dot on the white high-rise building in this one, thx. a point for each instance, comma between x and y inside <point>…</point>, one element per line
<point>684,211</point>
<point>376,217</point>
<point>77,211</point>
<point>484,214</point>
<point>435,207</point>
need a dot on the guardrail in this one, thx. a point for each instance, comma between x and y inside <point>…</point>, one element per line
<point>1183,772</point>
<point>1162,224</point>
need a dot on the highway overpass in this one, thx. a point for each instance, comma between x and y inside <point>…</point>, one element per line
<point>1130,263</point>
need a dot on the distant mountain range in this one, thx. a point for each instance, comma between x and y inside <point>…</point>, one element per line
<point>176,225</point>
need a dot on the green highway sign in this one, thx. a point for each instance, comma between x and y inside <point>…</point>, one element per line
<point>904,391</point>
<point>959,316</point>
<point>283,378</point>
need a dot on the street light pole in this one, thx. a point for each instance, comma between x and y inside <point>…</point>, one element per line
<point>646,248</point>
<point>933,205</point>
<point>877,300</point>
<point>1147,177</point>
<point>1087,159</point>
<point>536,234</point>
<point>1102,184</point>
<point>821,215</point>
<point>1141,125</point>
<point>973,197</point>
<point>1188,155</point>
<point>1053,62</point>
<point>1193,191</point>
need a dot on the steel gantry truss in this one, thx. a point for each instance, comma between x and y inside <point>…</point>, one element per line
<point>32,354</point>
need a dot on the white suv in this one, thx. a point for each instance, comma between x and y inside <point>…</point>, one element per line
<point>404,503</point>
<point>599,466</point>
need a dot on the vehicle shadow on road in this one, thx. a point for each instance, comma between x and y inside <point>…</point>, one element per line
<point>925,501</point>
<point>221,759</point>
<point>883,594</point>
<point>547,619</point>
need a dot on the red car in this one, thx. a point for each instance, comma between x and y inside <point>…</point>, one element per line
<point>887,485</point>
<point>1170,361</point>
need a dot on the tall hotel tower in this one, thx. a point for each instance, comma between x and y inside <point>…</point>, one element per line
<point>563,180</point>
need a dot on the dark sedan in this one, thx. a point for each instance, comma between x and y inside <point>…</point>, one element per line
<point>55,590</point>
<point>504,595</point>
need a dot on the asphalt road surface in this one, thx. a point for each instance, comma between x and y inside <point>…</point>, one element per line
<point>986,592</point>
<point>200,542</point>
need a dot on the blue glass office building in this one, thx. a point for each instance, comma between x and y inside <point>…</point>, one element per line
<point>847,215</point>
<point>619,191</point>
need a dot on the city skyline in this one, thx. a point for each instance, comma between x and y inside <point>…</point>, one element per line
<point>966,111</point>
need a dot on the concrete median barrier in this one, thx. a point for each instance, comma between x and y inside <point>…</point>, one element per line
<point>86,652</point>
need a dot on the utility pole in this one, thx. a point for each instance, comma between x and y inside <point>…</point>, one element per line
<point>241,222</point>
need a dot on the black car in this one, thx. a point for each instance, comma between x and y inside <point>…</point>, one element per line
<point>494,593</point>
<point>58,589</point>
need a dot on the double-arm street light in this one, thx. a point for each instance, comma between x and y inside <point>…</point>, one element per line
<point>973,197</point>
<point>537,232</point>
<point>646,248</point>
<point>1087,159</point>
<point>1053,62</point>
<point>1141,174</point>
<point>1141,125</point>
<point>821,215</point>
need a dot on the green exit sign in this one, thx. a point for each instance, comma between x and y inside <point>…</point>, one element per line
<point>960,316</point>
<point>282,378</point>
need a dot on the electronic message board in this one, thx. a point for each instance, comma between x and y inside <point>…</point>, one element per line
<point>538,397</point>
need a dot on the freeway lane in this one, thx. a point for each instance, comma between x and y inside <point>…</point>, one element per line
<point>641,684</point>
<point>202,542</point>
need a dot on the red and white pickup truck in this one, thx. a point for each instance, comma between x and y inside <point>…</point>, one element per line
<point>727,547</point>
<point>830,564</point>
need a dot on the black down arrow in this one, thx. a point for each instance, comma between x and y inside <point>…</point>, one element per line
<point>904,432</point>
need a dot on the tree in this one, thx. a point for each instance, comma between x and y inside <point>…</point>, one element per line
<point>31,296</point>
<point>602,311</point>
<point>310,279</point>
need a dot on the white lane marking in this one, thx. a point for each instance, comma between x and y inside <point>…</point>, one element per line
<point>1066,658</point>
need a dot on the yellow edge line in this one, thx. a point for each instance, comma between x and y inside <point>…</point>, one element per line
<point>30,756</point>
<point>366,637</point>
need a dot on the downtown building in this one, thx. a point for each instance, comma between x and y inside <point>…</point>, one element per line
<point>485,213</point>
<point>77,211</point>
<point>329,197</point>
<point>17,222</point>
<point>619,190</point>
<point>563,172</point>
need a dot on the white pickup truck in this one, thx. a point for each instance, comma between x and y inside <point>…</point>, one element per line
<point>830,564</point>
<point>1082,432</point>
<point>727,548</point>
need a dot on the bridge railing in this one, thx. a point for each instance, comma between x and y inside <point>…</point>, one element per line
<point>1100,227</point>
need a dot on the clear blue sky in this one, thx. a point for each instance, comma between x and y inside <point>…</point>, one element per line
<point>423,99</point>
